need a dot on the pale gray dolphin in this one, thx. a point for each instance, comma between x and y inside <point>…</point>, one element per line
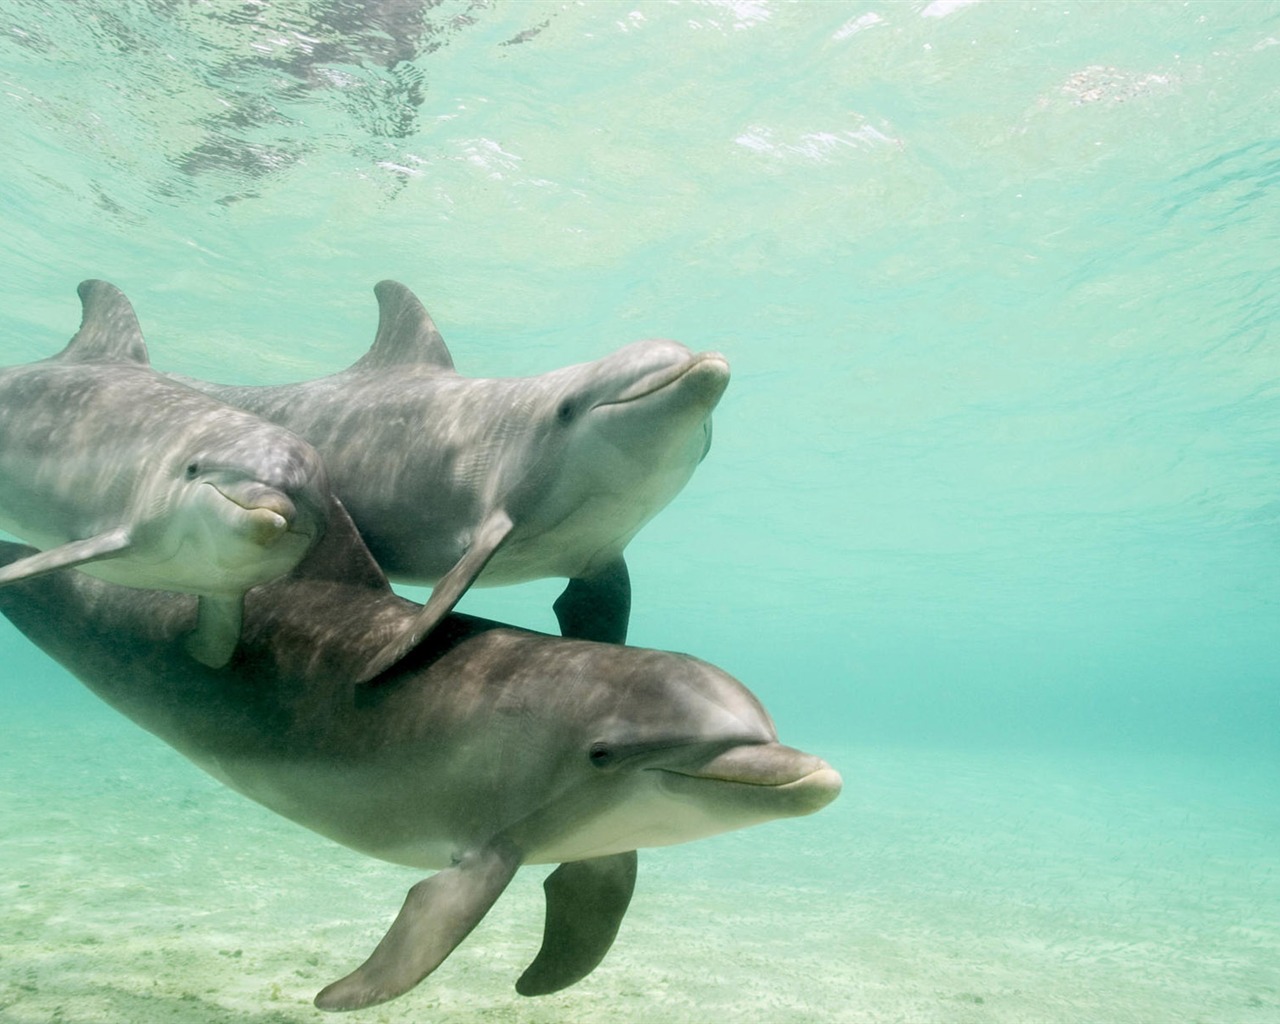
<point>111,467</point>
<point>488,748</point>
<point>455,480</point>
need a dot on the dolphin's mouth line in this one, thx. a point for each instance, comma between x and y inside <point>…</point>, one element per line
<point>668,378</point>
<point>739,781</point>
<point>238,502</point>
<point>290,523</point>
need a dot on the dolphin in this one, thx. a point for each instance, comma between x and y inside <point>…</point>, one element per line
<point>108,466</point>
<point>487,748</point>
<point>456,480</point>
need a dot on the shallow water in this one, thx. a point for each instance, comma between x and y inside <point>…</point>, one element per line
<point>990,519</point>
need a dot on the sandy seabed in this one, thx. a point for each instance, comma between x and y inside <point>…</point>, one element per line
<point>942,886</point>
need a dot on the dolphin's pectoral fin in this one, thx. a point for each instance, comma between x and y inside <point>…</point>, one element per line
<point>65,556</point>
<point>586,901</point>
<point>453,584</point>
<point>597,608</point>
<point>217,631</point>
<point>438,913</point>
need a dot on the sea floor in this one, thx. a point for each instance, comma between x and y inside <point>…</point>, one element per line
<point>942,886</point>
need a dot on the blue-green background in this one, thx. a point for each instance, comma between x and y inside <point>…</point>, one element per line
<point>999,464</point>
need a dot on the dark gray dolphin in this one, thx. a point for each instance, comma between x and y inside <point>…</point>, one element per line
<point>456,480</point>
<point>113,468</point>
<point>487,748</point>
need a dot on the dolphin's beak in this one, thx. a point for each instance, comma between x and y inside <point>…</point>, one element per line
<point>271,512</point>
<point>710,369</point>
<point>807,782</point>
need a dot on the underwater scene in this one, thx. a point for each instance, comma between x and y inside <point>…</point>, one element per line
<point>958,501</point>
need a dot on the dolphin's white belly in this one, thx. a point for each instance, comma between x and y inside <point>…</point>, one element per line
<point>582,524</point>
<point>354,804</point>
<point>591,536</point>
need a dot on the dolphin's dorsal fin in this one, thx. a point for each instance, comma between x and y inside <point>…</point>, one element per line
<point>109,331</point>
<point>340,555</point>
<point>406,333</point>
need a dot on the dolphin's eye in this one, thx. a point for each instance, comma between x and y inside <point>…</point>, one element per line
<point>193,470</point>
<point>566,412</point>
<point>600,755</point>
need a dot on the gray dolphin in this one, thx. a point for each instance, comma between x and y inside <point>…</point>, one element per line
<point>487,748</point>
<point>455,480</point>
<point>111,467</point>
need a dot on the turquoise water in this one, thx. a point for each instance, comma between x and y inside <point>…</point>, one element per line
<point>991,519</point>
